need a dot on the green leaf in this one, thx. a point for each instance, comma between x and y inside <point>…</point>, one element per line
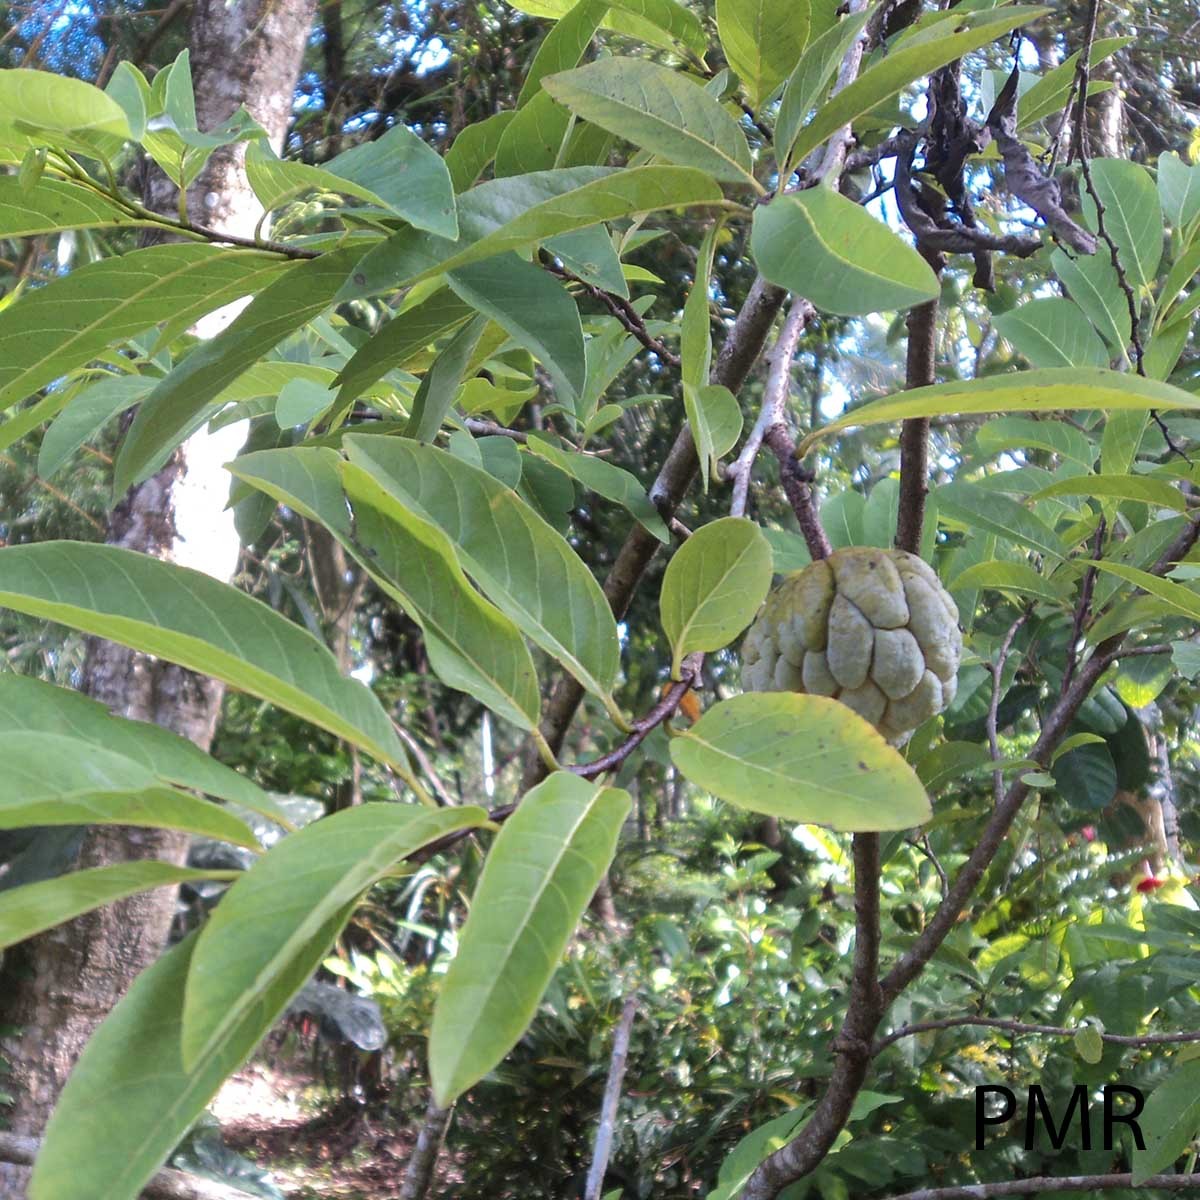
<point>1093,285</point>
<point>818,244</point>
<point>1178,190</point>
<point>533,138</point>
<point>1052,332</point>
<point>1140,680</point>
<point>605,480</point>
<point>400,340</point>
<point>191,619</point>
<point>33,706</point>
<point>660,110</point>
<point>902,65</point>
<point>762,40</point>
<point>265,921</point>
<point>439,387</point>
<point>681,23</point>
<point>72,319</point>
<point>1086,778</point>
<point>41,102</point>
<point>538,878</point>
<point>715,419</point>
<point>523,211</point>
<point>1016,577</point>
<point>982,508</point>
<point>1122,437</point>
<point>713,586</point>
<point>1122,487</point>
<point>803,758</point>
<point>56,779</point>
<point>563,47</point>
<point>1171,1119</point>
<point>810,79</point>
<point>523,566</point>
<point>1051,93</point>
<point>471,646</point>
<point>95,1149</point>
<point>407,174</point>
<point>1023,391</point>
<point>1009,433</point>
<point>1181,598</point>
<point>1186,657</point>
<point>742,1161</point>
<point>591,255</point>
<point>54,204</point>
<point>1132,216</point>
<point>474,147</point>
<point>87,414</point>
<point>186,397</point>
<point>534,309</point>
<point>35,907</point>
<point>695,330</point>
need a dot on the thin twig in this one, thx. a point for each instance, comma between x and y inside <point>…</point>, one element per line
<point>612,1097</point>
<point>1082,608</point>
<point>623,310</point>
<point>1048,1183</point>
<point>1115,1039</point>
<point>997,670</point>
<point>775,402</point>
<point>797,486</point>
<point>421,1166</point>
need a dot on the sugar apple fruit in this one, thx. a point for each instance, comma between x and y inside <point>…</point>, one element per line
<point>872,628</point>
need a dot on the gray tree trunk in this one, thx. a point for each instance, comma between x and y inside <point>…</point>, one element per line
<point>60,986</point>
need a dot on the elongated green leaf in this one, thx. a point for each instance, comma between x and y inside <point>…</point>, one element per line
<point>523,566</point>
<point>1024,391</point>
<point>186,396</point>
<point>475,147</point>
<point>674,19</point>
<point>744,1158</point>
<point>904,64</point>
<point>87,414</point>
<point>471,645</point>
<point>35,907</point>
<point>539,876</point>
<point>43,103</point>
<point>1093,285</point>
<point>56,779</point>
<point>439,387</point>
<point>563,47</point>
<point>1053,332</point>
<point>1011,577</point>
<point>276,181</point>
<point>522,211</point>
<point>660,110</point>
<point>695,349</point>
<point>404,336</point>
<point>534,137</point>
<point>605,480</point>
<point>1132,215</point>
<point>282,903</point>
<point>715,419</point>
<point>1171,1120</point>
<point>71,320</point>
<point>762,40</point>
<point>1052,92</point>
<point>591,255</point>
<point>1179,597</point>
<point>534,309</point>
<point>407,174</point>
<point>54,204</point>
<point>810,80</point>
<point>1178,190</point>
<point>1121,487</point>
<point>1008,433</point>
<point>803,758</point>
<point>818,244</point>
<point>982,508</point>
<point>189,618</point>
<point>95,1149</point>
<point>34,706</point>
<point>713,586</point>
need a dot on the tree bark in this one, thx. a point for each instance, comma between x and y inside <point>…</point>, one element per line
<point>57,988</point>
